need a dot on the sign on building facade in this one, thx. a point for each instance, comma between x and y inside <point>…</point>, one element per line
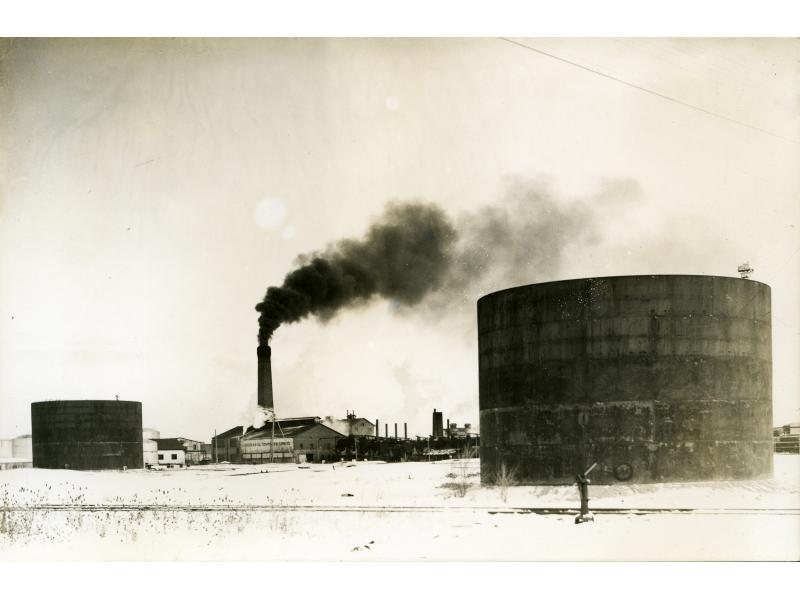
<point>260,450</point>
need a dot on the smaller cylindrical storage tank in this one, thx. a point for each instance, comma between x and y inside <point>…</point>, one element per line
<point>23,446</point>
<point>87,434</point>
<point>150,452</point>
<point>652,377</point>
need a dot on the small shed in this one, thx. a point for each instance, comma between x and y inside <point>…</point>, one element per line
<point>171,453</point>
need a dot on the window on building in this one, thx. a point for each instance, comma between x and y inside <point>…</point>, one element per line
<point>302,447</point>
<point>160,457</point>
<point>174,457</point>
<point>311,445</point>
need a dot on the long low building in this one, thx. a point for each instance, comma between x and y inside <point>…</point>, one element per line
<point>260,446</point>
<point>16,452</point>
<point>15,463</point>
<point>171,453</point>
<point>297,439</point>
<point>195,454</point>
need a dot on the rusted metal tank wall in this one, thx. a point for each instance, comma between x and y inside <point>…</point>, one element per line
<point>87,434</point>
<point>654,377</point>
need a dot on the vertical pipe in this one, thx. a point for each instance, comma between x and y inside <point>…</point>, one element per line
<point>405,431</point>
<point>377,428</point>
<point>386,430</point>
<point>395,431</point>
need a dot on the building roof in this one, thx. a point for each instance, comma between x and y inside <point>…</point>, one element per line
<point>329,429</point>
<point>181,440</point>
<point>284,424</point>
<point>231,433</point>
<point>345,426</point>
<point>298,421</point>
<point>288,431</point>
<point>282,431</point>
<point>169,444</point>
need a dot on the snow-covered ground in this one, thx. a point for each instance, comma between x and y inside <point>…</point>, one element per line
<point>400,511</point>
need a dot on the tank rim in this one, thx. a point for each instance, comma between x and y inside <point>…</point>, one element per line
<point>87,401</point>
<point>606,277</point>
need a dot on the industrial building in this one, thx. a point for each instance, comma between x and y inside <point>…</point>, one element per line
<point>786,439</point>
<point>226,446</point>
<point>456,432</point>
<point>16,453</point>
<point>194,451</point>
<point>171,453</point>
<point>351,425</point>
<point>315,442</point>
<point>261,446</point>
<point>652,377</point>
<point>87,434</point>
<point>452,430</point>
<point>310,440</point>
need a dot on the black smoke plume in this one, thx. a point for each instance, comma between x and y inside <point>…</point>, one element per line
<point>404,256</point>
<point>413,252</point>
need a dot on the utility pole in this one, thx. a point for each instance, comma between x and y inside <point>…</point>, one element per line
<point>272,440</point>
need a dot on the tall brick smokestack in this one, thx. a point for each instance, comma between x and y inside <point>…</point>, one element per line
<point>265,376</point>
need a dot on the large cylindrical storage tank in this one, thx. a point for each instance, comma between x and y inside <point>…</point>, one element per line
<point>653,377</point>
<point>87,434</point>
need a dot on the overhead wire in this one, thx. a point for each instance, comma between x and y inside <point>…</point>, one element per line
<point>649,91</point>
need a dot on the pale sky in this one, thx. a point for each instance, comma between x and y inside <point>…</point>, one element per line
<point>153,189</point>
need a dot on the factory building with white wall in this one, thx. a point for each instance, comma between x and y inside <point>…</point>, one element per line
<point>193,449</point>
<point>16,453</point>
<point>351,425</point>
<point>296,439</point>
<point>150,447</point>
<point>171,453</point>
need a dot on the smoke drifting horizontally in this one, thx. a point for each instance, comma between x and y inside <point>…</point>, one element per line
<point>414,252</point>
<point>404,256</point>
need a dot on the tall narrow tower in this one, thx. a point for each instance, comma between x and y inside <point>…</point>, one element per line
<point>265,377</point>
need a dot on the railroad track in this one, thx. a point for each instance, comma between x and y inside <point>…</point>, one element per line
<point>492,510</point>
